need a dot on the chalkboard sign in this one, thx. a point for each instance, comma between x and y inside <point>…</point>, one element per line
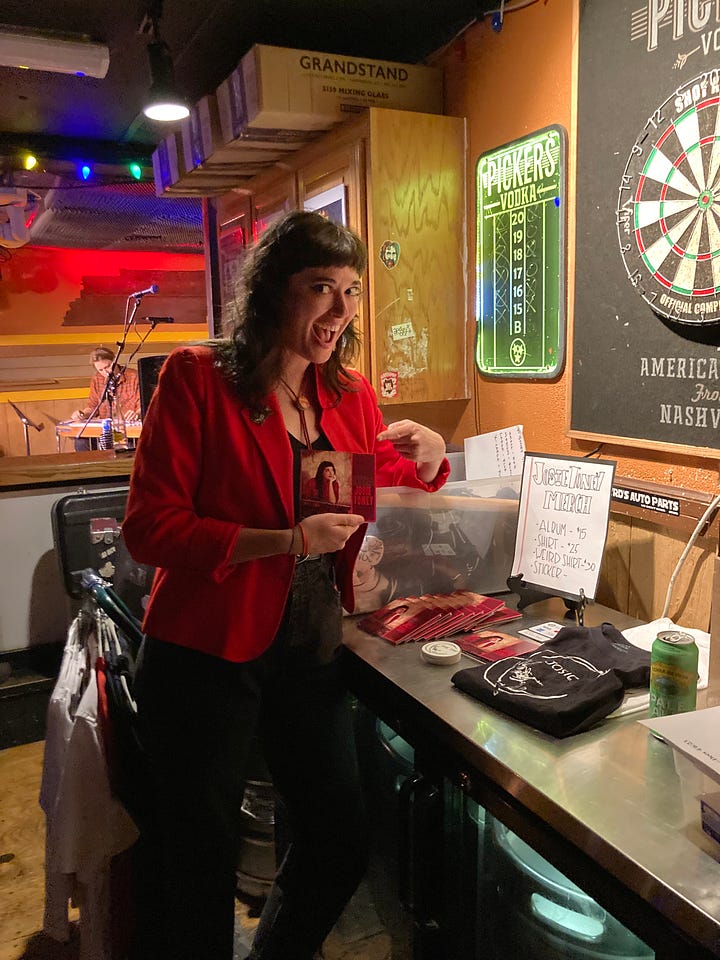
<point>521,257</point>
<point>562,523</point>
<point>646,332</point>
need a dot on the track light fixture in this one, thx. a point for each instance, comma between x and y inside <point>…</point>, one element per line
<point>163,101</point>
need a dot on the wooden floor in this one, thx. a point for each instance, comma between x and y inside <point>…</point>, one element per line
<point>22,883</point>
<point>22,841</point>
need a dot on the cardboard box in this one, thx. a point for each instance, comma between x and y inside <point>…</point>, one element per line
<point>166,164</point>
<point>203,146</point>
<point>281,90</point>
<point>460,538</point>
<point>175,176</point>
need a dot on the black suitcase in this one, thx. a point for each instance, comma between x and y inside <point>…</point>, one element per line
<point>87,533</point>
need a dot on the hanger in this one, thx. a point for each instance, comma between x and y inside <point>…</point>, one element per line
<point>115,659</point>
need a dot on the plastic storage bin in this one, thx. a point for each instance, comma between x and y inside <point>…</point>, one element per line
<point>460,538</point>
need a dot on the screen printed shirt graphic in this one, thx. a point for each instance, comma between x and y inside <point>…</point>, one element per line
<point>542,676</point>
<point>565,686</point>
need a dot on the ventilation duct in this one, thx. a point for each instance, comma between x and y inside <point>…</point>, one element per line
<point>53,54</point>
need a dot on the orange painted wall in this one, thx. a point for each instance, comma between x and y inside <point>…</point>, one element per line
<point>38,284</point>
<point>509,84</point>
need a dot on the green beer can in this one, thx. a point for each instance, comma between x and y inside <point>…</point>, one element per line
<point>673,673</point>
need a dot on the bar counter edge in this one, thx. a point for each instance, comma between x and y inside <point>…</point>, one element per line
<point>613,808</point>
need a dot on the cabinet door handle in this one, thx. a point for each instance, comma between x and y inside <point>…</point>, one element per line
<point>419,843</point>
<point>405,840</point>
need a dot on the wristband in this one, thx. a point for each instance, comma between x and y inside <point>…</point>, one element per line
<point>305,551</point>
<point>292,541</point>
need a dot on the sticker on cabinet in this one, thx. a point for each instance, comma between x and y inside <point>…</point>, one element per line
<point>389,384</point>
<point>402,331</point>
<point>390,253</point>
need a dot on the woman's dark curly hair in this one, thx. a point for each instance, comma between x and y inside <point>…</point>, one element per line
<point>251,355</point>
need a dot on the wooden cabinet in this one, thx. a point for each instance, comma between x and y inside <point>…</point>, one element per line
<point>403,177</point>
<point>417,244</point>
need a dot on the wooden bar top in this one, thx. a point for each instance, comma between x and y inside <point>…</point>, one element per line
<point>59,469</point>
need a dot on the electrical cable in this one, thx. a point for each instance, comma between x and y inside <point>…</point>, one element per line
<point>683,556</point>
<point>503,9</point>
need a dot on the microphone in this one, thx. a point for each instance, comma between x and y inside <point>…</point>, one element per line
<point>153,288</point>
<point>154,320</point>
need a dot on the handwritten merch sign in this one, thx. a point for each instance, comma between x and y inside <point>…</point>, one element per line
<point>562,523</point>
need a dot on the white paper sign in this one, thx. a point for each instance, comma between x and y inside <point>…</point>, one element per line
<point>497,454</point>
<point>562,523</point>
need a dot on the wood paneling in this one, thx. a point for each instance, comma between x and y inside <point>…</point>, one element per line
<point>639,561</point>
<point>42,412</point>
<point>614,583</point>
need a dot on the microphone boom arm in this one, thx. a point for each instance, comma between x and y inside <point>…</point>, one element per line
<point>26,422</point>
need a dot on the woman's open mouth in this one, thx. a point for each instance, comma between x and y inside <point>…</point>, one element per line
<point>325,334</point>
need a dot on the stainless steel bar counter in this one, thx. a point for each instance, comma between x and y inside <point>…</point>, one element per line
<point>614,808</point>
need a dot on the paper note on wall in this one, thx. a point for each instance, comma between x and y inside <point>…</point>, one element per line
<point>562,523</point>
<point>497,454</point>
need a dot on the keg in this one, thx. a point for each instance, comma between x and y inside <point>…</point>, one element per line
<point>256,864</point>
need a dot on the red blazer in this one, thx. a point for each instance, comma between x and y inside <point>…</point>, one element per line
<point>204,469</point>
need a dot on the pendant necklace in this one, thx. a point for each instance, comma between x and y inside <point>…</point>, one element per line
<point>301,404</point>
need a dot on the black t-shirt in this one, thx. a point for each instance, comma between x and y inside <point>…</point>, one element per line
<point>567,684</point>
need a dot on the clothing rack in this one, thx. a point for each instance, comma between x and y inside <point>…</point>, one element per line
<point>98,590</point>
<point>91,789</point>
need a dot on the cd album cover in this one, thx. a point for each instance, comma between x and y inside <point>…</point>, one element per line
<point>337,481</point>
<point>431,616</point>
<point>491,645</point>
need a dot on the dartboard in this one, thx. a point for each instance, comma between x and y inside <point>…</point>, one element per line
<point>668,215</point>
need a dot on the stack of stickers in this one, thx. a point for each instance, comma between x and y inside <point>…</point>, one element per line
<point>435,615</point>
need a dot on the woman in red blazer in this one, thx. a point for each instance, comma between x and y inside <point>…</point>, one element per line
<point>244,622</point>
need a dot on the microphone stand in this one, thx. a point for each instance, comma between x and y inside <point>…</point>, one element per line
<point>113,376</point>
<point>26,422</point>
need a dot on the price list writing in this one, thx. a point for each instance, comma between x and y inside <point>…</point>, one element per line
<point>496,454</point>
<point>562,523</point>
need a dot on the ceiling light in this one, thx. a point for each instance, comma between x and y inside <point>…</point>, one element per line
<point>54,55</point>
<point>163,102</point>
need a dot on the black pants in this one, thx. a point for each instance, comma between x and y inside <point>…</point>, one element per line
<point>199,715</point>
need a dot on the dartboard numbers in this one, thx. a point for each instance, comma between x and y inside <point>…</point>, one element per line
<point>521,257</point>
<point>668,213</point>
